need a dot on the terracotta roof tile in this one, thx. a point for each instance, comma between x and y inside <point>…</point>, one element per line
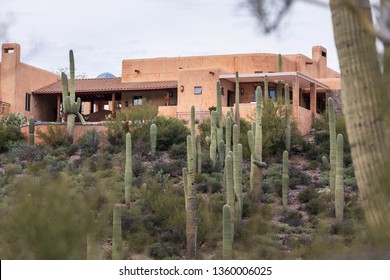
<point>106,85</point>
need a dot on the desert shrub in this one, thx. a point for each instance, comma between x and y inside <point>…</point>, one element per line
<point>12,119</point>
<point>298,177</point>
<point>161,251</point>
<point>172,167</point>
<point>42,223</point>
<point>178,151</point>
<point>55,136</point>
<point>306,195</point>
<point>169,131</point>
<point>316,205</point>
<point>89,142</point>
<point>292,218</point>
<point>324,179</point>
<point>9,134</point>
<point>208,183</point>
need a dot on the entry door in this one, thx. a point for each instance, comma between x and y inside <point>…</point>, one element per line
<point>231,98</point>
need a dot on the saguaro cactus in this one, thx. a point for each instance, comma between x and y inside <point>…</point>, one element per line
<point>288,118</point>
<point>128,169</point>
<point>70,106</point>
<point>339,188</point>
<point>191,218</point>
<point>279,86</point>
<point>285,178</point>
<point>237,175</point>
<point>230,199</point>
<point>237,114</point>
<point>219,123</point>
<point>199,153</point>
<point>332,138</point>
<point>228,141</point>
<point>193,139</point>
<point>153,139</point>
<point>255,140</point>
<point>117,233</point>
<point>31,128</point>
<point>213,138</point>
<point>227,237</point>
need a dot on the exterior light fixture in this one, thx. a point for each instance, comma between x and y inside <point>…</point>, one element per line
<point>181,88</point>
<point>211,73</point>
<point>136,71</point>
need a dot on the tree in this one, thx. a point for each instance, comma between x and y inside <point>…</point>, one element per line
<point>365,97</point>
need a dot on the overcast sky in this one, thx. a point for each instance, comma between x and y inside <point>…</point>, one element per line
<point>104,32</point>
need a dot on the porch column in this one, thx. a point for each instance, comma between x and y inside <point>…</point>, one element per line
<point>295,98</point>
<point>313,99</point>
<point>58,108</point>
<point>92,107</point>
<point>113,105</point>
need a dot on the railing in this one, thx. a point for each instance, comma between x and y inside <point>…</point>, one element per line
<point>4,108</point>
<point>199,115</point>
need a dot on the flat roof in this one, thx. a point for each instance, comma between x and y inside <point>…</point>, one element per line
<point>284,77</point>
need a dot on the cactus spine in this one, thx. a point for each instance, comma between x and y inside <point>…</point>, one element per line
<point>288,118</point>
<point>70,105</point>
<point>339,188</point>
<point>128,169</point>
<point>255,139</point>
<point>332,138</point>
<point>153,139</point>
<point>237,115</point>
<point>31,128</point>
<point>117,233</point>
<point>227,238</point>
<point>285,178</point>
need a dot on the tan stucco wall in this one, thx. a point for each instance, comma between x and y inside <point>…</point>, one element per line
<point>168,68</point>
<point>18,78</point>
<point>190,78</point>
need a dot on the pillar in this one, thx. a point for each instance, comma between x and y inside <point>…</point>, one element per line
<point>313,99</point>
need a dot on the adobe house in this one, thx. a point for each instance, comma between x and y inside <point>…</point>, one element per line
<point>18,80</point>
<point>174,84</point>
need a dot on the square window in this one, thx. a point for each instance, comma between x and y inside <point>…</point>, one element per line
<point>198,90</point>
<point>137,100</point>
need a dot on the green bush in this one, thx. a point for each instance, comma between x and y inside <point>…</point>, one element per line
<point>9,134</point>
<point>292,218</point>
<point>89,142</point>
<point>306,195</point>
<point>169,131</point>
<point>55,136</point>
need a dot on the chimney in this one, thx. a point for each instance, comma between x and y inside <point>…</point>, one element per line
<point>319,54</point>
<point>10,53</point>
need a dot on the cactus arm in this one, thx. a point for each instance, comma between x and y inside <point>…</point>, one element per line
<point>81,118</point>
<point>193,139</point>
<point>221,148</point>
<point>199,154</point>
<point>237,101</point>
<point>72,86</point>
